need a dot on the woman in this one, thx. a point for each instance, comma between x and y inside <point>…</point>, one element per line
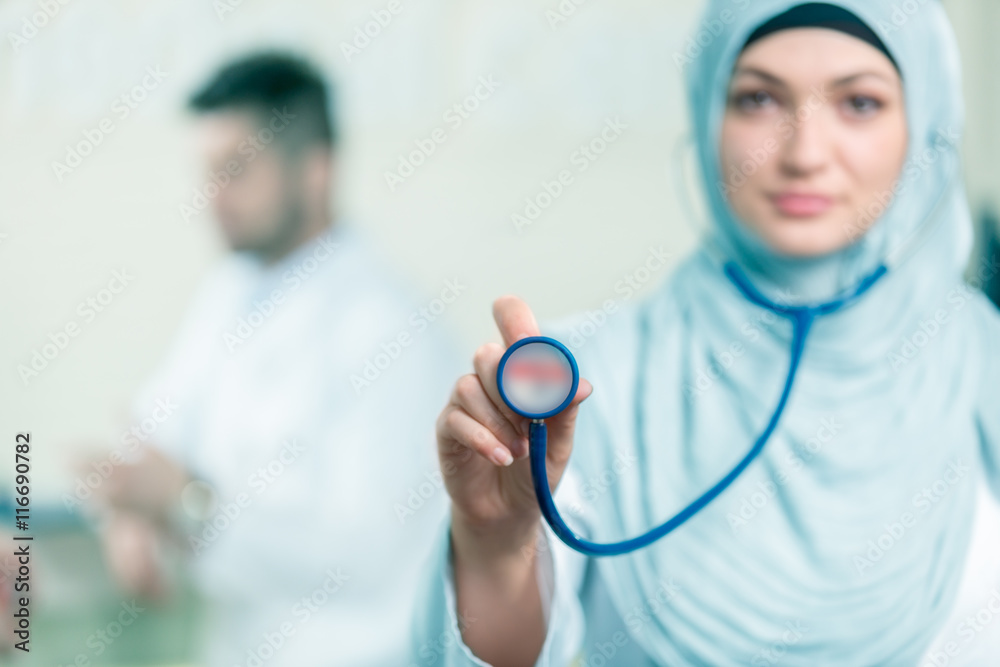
<point>827,139</point>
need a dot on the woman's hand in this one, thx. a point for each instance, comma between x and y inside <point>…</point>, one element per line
<point>483,445</point>
<point>495,520</point>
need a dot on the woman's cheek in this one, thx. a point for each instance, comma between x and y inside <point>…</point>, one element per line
<point>875,157</point>
<point>744,143</point>
<point>728,139</point>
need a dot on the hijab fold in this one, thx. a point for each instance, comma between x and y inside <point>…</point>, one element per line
<point>844,542</point>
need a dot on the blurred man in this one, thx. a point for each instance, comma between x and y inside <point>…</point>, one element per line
<point>267,449</point>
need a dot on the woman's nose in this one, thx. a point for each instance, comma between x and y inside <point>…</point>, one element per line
<point>807,149</point>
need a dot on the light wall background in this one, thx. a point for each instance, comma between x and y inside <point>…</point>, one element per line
<point>558,84</point>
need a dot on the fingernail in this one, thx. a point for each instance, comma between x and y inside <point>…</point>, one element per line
<point>502,457</point>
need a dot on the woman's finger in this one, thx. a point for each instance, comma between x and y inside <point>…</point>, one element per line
<point>471,396</point>
<point>514,319</point>
<point>462,428</point>
<point>485,362</point>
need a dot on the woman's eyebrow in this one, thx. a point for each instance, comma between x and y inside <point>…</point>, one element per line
<point>767,76</point>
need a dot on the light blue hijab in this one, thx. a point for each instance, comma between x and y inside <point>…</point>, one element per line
<point>844,542</point>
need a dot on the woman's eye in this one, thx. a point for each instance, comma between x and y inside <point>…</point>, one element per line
<point>862,105</point>
<point>752,101</point>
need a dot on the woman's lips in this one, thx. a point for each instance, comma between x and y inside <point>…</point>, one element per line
<point>801,205</point>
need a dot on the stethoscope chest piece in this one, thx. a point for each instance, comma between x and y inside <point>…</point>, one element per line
<point>537,377</point>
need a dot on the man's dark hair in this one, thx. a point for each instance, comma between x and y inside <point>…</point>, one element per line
<point>269,83</point>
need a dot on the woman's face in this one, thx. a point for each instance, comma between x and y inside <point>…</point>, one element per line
<point>814,134</point>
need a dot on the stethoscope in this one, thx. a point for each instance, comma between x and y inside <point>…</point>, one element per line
<point>537,378</point>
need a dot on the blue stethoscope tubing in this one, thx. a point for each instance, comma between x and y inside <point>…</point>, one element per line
<point>802,318</point>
